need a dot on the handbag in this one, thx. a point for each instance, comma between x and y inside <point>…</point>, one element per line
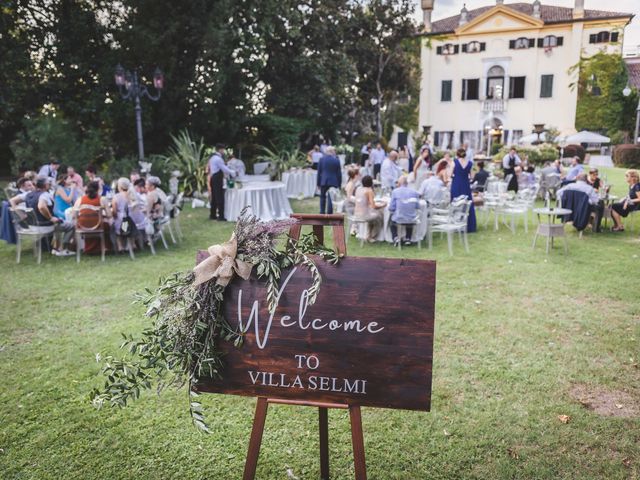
<point>128,226</point>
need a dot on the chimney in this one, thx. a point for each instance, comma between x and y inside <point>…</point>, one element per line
<point>464,15</point>
<point>578,9</point>
<point>499,2</point>
<point>536,9</point>
<point>427,8</point>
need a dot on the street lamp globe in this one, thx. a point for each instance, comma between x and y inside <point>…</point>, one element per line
<point>158,79</point>
<point>627,91</point>
<point>119,76</point>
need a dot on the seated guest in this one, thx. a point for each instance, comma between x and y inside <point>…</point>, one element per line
<point>25,185</point>
<point>123,205</point>
<point>368,210</point>
<point>403,208</point>
<point>92,198</point>
<point>237,165</point>
<point>353,182</point>
<point>433,189</point>
<point>156,199</point>
<point>41,202</point>
<point>65,196</point>
<point>552,168</point>
<point>593,179</point>
<point>390,171</point>
<point>581,185</point>
<point>480,178</point>
<point>71,172</point>
<point>526,177</point>
<point>140,187</point>
<point>629,204</point>
<point>574,171</point>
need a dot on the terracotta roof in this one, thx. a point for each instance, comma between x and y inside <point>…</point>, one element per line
<point>548,14</point>
<point>633,67</point>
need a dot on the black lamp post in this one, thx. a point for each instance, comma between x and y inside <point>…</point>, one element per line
<point>538,128</point>
<point>131,89</point>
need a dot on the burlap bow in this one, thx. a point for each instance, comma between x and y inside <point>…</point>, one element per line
<point>221,264</point>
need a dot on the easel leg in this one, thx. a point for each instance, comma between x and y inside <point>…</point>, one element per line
<point>256,439</point>
<point>357,440</point>
<point>323,417</point>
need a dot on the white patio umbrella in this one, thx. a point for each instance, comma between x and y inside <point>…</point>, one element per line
<point>587,137</point>
<point>531,138</point>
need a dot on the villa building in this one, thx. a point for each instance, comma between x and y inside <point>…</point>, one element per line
<point>496,71</point>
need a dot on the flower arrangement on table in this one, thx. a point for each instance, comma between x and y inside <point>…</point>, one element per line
<point>181,343</point>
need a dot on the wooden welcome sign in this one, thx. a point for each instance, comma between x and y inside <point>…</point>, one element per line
<point>366,341</point>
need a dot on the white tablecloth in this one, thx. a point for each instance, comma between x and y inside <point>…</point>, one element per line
<point>300,183</point>
<point>253,178</point>
<point>268,201</point>
<point>419,231</point>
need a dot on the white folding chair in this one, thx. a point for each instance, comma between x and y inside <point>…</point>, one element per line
<point>26,225</point>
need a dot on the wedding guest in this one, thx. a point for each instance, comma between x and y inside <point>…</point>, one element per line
<point>595,204</point>
<point>216,170</point>
<point>329,175</point>
<point>470,153</point>
<point>509,164</point>
<point>629,204</point>
<point>403,208</point>
<point>376,158</point>
<point>480,178</point>
<point>140,187</point>
<point>156,199</point>
<point>444,168</point>
<point>368,210</point>
<point>65,196</point>
<point>403,159</point>
<point>50,170</point>
<point>134,175</point>
<point>124,204</point>
<point>461,186</point>
<point>75,177</point>
<point>407,151</point>
<point>353,182</point>
<point>433,189</point>
<point>390,171</point>
<point>237,165</point>
<point>314,156</point>
<point>92,197</point>
<point>526,177</point>
<point>553,168</point>
<point>364,154</point>
<point>25,185</point>
<point>574,171</point>
<point>92,176</point>
<point>423,165</point>
<point>593,179</point>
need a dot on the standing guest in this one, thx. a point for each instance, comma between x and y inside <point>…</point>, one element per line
<point>390,171</point>
<point>409,155</point>
<point>509,164</point>
<point>216,169</point>
<point>376,158</point>
<point>595,204</point>
<point>237,165</point>
<point>92,198</point>
<point>444,168</point>
<point>329,175</point>
<point>480,178</point>
<point>314,156</point>
<point>403,208</point>
<point>470,153</point>
<point>629,204</point>
<point>75,177</point>
<point>92,175</point>
<point>65,196</point>
<point>368,210</point>
<point>574,170</point>
<point>593,179</point>
<point>461,185</point>
<point>422,166</point>
<point>134,176</point>
<point>403,159</point>
<point>324,145</point>
<point>156,199</point>
<point>428,146</point>
<point>50,170</point>
<point>364,154</point>
<point>124,204</point>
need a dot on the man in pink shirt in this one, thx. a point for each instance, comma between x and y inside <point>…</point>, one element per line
<point>74,176</point>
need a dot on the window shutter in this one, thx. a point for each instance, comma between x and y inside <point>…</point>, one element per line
<point>464,89</point>
<point>532,42</point>
<point>614,37</point>
<point>464,48</point>
<point>511,82</point>
<point>540,42</point>
<point>456,49</point>
<point>438,50</point>
<point>560,41</point>
<point>593,38</point>
<point>512,44</point>
<point>483,46</point>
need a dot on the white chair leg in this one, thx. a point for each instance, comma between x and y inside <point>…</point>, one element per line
<point>78,248</point>
<point>450,243</point>
<point>150,242</point>
<point>103,247</point>
<point>130,248</point>
<point>466,242</point>
<point>18,248</point>
<point>39,248</point>
<point>164,241</point>
<point>173,238</point>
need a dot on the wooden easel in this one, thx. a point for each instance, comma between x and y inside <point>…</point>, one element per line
<point>318,222</point>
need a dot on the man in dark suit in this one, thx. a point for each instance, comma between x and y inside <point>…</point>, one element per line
<point>329,175</point>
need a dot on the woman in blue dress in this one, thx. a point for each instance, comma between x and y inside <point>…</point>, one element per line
<point>461,185</point>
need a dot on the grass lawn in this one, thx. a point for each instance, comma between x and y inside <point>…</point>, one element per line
<point>521,338</point>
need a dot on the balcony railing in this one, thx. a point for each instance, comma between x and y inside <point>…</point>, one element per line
<point>494,105</point>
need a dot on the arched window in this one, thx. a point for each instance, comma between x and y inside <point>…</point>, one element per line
<point>495,82</point>
<point>449,49</point>
<point>473,47</point>
<point>521,43</point>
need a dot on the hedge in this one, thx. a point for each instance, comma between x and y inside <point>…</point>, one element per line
<point>538,154</point>
<point>627,156</point>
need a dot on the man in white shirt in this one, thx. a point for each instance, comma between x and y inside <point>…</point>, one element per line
<point>390,171</point>
<point>216,169</point>
<point>433,190</point>
<point>509,163</point>
<point>376,157</point>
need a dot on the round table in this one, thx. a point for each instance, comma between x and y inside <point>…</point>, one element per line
<point>252,178</point>
<point>268,201</point>
<point>301,183</point>
<point>551,229</point>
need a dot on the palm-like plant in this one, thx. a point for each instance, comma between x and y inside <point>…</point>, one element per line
<point>188,156</point>
<point>282,160</point>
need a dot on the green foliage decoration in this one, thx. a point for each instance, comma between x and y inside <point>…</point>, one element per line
<point>182,344</point>
<point>282,160</point>
<point>187,155</point>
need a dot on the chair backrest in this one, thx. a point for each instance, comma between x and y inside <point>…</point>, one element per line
<point>88,217</point>
<point>24,218</point>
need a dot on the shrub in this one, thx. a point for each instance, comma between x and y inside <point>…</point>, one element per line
<point>189,157</point>
<point>496,147</point>
<point>282,160</point>
<point>627,156</point>
<point>538,154</point>
<point>571,151</point>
